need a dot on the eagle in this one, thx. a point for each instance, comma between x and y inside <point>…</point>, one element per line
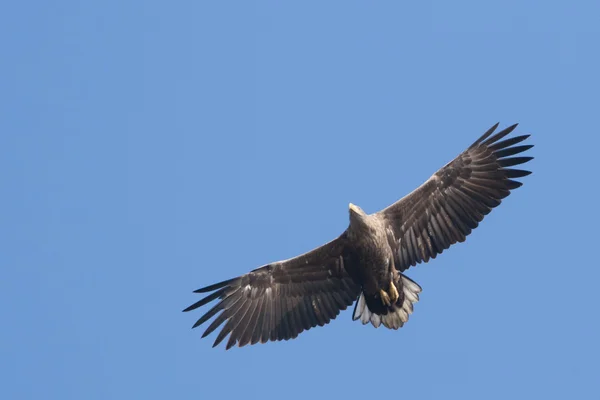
<point>365,264</point>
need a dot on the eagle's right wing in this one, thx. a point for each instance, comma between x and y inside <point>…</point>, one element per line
<point>282,299</point>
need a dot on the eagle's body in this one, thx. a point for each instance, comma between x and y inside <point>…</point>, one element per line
<point>365,263</point>
<point>370,260</point>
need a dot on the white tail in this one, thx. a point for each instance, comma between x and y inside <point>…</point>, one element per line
<point>396,316</point>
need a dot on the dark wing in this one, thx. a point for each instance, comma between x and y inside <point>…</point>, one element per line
<point>450,204</point>
<point>282,299</point>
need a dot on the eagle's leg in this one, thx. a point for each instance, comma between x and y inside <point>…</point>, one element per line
<point>393,292</point>
<point>385,298</point>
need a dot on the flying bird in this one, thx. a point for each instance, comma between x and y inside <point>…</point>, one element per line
<point>365,264</point>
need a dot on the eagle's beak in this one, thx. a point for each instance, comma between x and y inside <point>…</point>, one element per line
<point>353,208</point>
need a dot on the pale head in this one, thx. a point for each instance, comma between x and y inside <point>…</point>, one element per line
<point>356,213</point>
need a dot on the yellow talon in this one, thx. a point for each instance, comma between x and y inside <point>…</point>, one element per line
<point>393,293</point>
<point>385,299</point>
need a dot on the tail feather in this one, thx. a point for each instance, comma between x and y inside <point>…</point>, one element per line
<point>396,315</point>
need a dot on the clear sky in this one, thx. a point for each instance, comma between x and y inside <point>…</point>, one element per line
<point>151,148</point>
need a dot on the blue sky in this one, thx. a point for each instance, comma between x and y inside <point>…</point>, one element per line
<point>151,148</point>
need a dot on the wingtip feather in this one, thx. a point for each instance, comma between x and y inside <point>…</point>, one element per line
<point>486,135</point>
<point>215,286</point>
<point>499,135</point>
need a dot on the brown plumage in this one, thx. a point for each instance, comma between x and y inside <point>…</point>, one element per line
<point>365,264</point>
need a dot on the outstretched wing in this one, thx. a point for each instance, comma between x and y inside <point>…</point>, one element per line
<point>450,204</point>
<point>282,299</point>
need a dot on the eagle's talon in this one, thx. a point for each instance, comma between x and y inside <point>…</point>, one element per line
<point>393,293</point>
<point>385,299</point>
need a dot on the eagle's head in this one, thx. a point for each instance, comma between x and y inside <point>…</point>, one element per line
<point>356,213</point>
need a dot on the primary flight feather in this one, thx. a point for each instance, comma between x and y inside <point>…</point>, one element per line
<point>365,263</point>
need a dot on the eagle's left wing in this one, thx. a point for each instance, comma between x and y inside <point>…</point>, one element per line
<point>450,204</point>
<point>282,299</point>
